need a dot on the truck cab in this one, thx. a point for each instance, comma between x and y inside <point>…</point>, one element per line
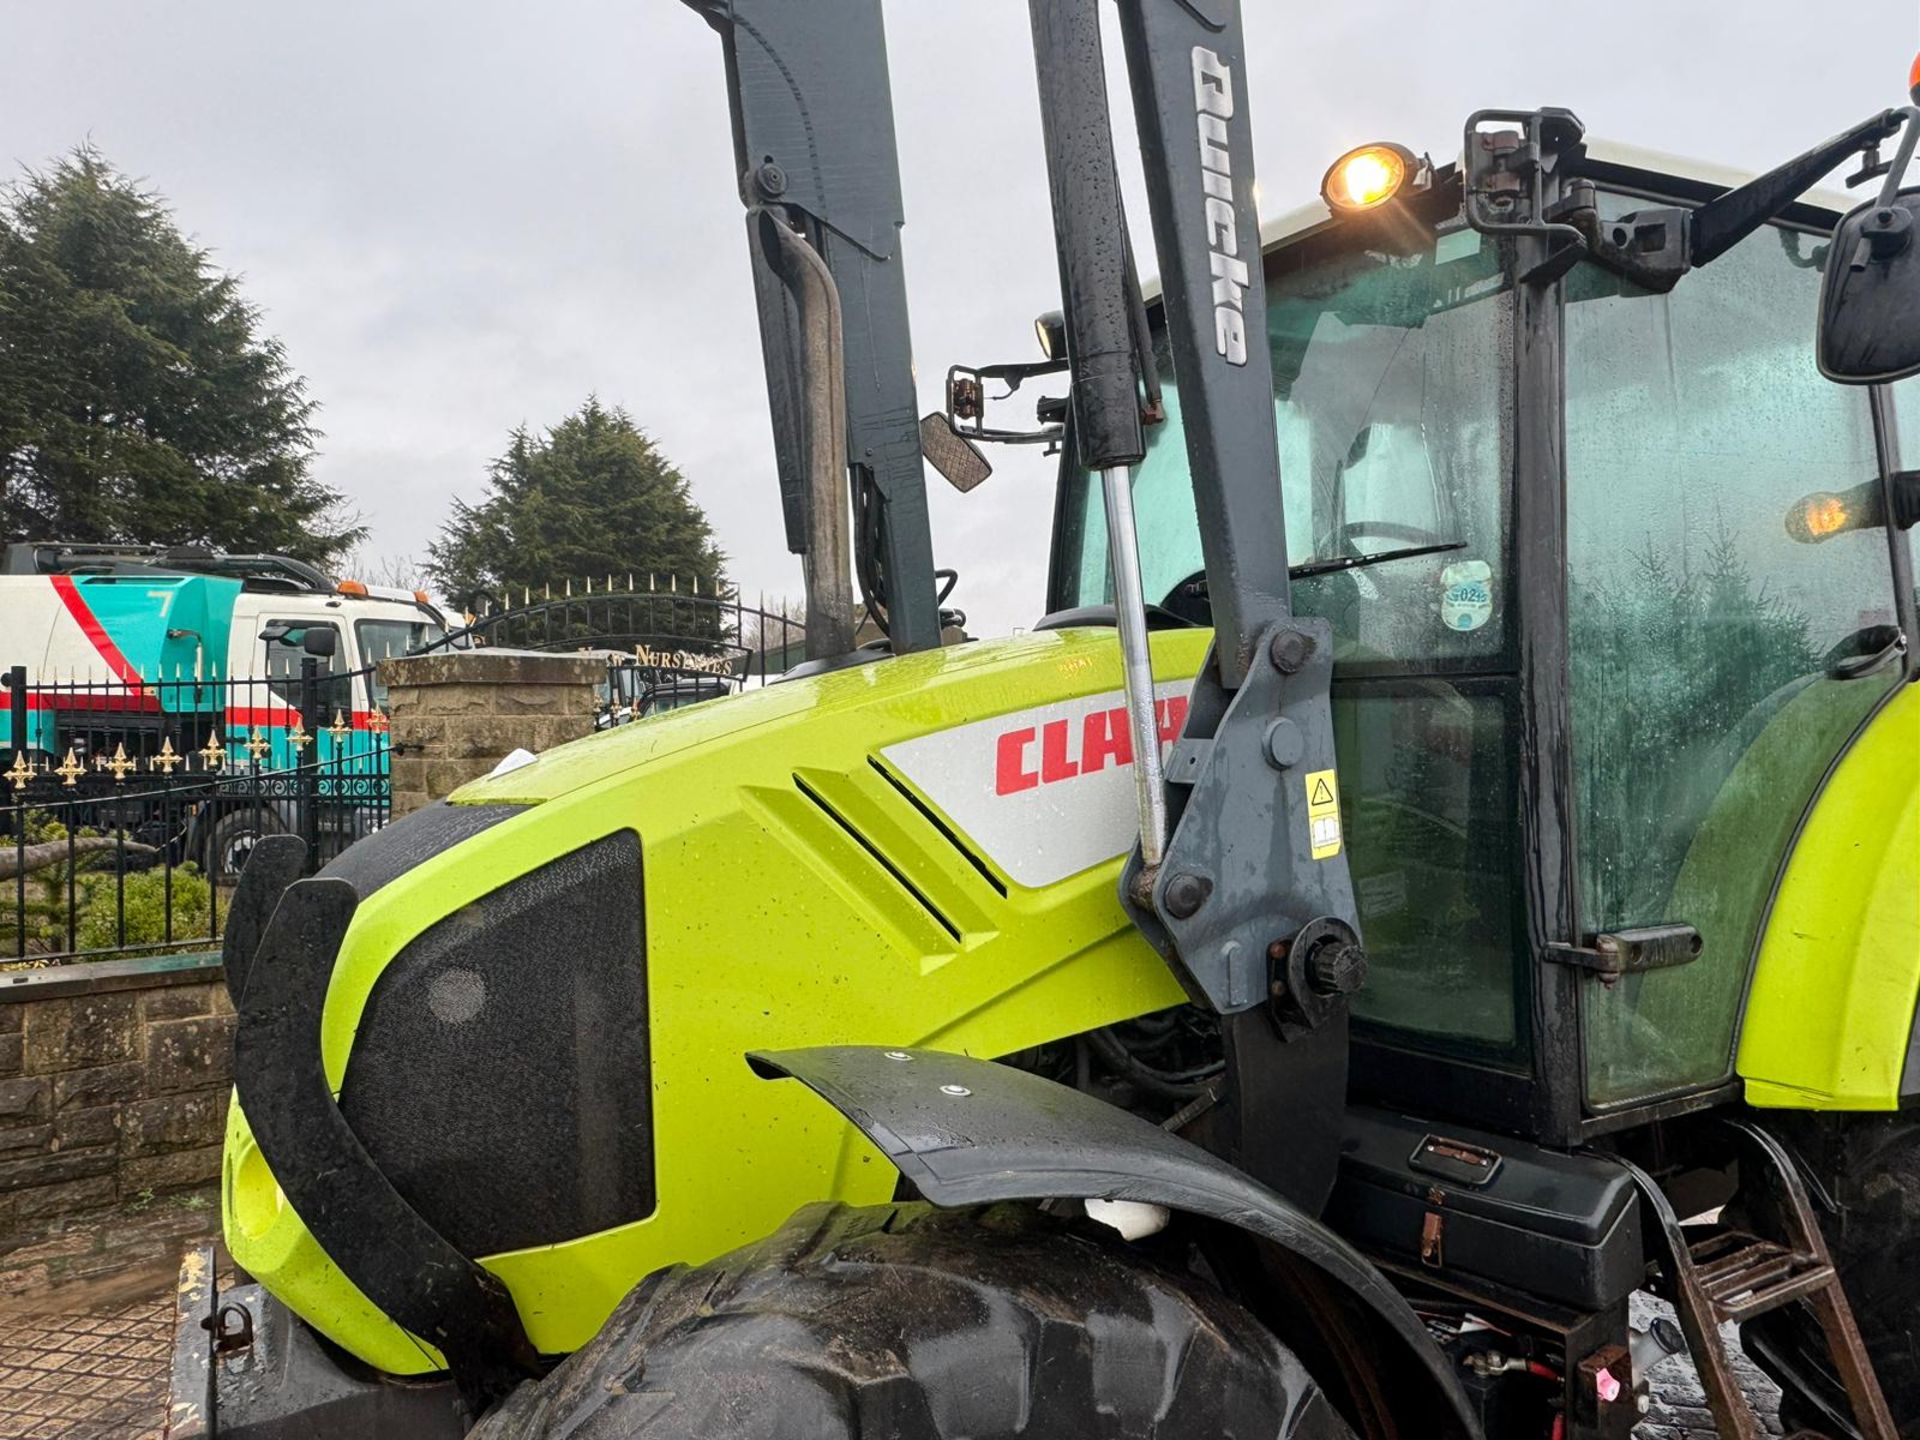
<point>367,624</point>
<point>125,645</point>
<point>188,670</point>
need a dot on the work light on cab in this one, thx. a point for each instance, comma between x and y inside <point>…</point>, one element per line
<point>1825,513</point>
<point>1368,177</point>
<point>1913,80</point>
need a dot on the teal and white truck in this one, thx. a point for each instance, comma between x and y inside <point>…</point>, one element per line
<point>185,662</point>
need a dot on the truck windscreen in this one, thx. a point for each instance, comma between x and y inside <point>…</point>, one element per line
<point>382,639</point>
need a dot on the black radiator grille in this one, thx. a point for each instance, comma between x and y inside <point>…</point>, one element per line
<point>501,1075</point>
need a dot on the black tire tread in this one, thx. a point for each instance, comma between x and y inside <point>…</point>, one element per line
<point>1870,1165</point>
<point>903,1321</point>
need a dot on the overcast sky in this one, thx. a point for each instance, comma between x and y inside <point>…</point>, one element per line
<point>462,217</point>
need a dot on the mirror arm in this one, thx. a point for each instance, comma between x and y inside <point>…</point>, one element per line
<point>1721,224</point>
<point>1655,247</point>
<point>1896,170</point>
<point>967,401</point>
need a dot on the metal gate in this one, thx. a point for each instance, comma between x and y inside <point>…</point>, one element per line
<point>668,633</point>
<point>127,810</point>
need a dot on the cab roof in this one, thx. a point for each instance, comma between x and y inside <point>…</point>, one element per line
<point>1614,161</point>
<point>1617,160</point>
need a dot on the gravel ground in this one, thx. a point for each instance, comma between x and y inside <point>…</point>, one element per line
<point>1679,1410</point>
<point>100,1373</point>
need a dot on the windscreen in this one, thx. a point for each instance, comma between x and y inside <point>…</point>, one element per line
<point>383,639</point>
<point>1391,366</point>
<point>1389,371</point>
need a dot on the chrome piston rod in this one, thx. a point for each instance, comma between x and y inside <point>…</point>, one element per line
<point>1136,664</point>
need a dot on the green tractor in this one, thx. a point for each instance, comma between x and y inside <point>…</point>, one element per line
<point>1370,928</point>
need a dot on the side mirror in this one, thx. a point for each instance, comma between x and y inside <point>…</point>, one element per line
<point>320,641</point>
<point>1870,300</point>
<point>951,453</point>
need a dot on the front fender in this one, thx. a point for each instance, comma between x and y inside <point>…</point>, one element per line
<point>1829,1021</point>
<point>971,1132</point>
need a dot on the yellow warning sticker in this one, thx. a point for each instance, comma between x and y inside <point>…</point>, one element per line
<point>1323,813</point>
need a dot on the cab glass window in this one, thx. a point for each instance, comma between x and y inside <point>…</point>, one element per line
<point>1391,373</point>
<point>1708,637</point>
<point>285,655</point>
<point>1388,374</point>
<point>1906,411</point>
<point>383,639</point>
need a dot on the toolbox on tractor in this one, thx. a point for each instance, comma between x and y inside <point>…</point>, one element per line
<point>1459,1202</point>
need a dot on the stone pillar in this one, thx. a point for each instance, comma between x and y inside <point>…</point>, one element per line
<point>457,713</point>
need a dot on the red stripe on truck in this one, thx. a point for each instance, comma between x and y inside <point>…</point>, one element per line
<point>142,702</point>
<point>283,716</point>
<point>96,633</point>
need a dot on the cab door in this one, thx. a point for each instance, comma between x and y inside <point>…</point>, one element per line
<point>1720,665</point>
<point>298,726</point>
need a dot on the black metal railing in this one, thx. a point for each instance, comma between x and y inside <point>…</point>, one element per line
<point>672,629</point>
<point>128,808</point>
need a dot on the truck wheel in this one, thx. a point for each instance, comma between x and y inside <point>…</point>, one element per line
<point>1870,1164</point>
<point>231,838</point>
<point>922,1324</point>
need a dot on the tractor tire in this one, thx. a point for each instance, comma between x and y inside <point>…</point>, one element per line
<point>1870,1165</point>
<point>231,838</point>
<point>914,1323</point>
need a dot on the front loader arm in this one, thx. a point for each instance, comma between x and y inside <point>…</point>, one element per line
<point>814,145</point>
<point>1240,879</point>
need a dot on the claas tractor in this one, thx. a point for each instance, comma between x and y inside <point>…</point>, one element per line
<point>1448,859</point>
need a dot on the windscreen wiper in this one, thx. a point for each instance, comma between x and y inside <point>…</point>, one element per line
<point>1308,568</point>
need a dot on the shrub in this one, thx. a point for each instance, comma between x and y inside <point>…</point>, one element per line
<point>98,927</point>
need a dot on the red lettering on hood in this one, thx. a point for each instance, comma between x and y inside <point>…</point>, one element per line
<point>1010,768</point>
<point>1172,715</point>
<point>1054,764</point>
<point>1104,740</point>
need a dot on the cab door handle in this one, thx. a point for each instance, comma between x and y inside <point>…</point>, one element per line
<point>1858,667</point>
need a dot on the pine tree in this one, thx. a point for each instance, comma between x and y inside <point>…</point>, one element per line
<point>139,402</point>
<point>589,498</point>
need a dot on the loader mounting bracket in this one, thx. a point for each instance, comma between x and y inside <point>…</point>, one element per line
<point>1253,774</point>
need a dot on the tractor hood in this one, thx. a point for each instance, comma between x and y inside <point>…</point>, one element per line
<point>905,696</point>
<point>532,1005</point>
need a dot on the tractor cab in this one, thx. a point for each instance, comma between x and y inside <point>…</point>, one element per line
<point>1591,665</point>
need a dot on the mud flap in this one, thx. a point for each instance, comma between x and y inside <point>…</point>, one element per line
<point>970,1132</point>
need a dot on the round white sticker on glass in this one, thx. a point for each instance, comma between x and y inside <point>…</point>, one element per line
<point>1466,595</point>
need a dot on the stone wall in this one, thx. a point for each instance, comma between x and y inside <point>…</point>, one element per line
<point>114,1078</point>
<point>457,713</point>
